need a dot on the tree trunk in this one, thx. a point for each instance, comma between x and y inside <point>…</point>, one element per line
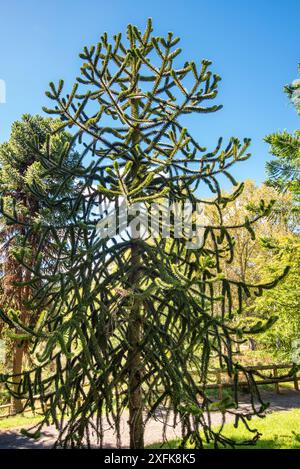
<point>135,394</point>
<point>16,403</point>
<point>252,345</point>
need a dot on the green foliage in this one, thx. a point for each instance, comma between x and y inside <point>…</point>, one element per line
<point>284,300</point>
<point>19,421</point>
<point>132,321</point>
<point>21,173</point>
<point>279,430</point>
<point>284,169</point>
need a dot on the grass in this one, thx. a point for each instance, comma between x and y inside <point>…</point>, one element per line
<point>19,421</point>
<point>280,430</point>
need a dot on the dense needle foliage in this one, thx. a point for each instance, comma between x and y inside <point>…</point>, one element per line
<point>19,168</point>
<point>284,168</point>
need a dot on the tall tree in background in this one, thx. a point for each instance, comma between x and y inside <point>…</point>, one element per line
<point>258,259</point>
<point>135,321</point>
<point>284,169</point>
<point>284,174</point>
<point>284,300</point>
<point>19,169</point>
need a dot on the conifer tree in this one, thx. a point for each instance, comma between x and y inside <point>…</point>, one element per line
<point>284,168</point>
<point>20,168</point>
<point>135,322</point>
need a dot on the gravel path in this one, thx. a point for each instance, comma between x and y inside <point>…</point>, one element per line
<point>14,440</point>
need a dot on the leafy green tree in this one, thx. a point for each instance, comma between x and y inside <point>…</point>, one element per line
<point>284,169</point>
<point>284,174</point>
<point>20,169</point>
<point>251,257</point>
<point>249,252</point>
<point>134,321</point>
<point>284,300</point>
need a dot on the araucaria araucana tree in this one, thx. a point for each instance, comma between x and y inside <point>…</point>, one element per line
<point>19,169</point>
<point>133,323</point>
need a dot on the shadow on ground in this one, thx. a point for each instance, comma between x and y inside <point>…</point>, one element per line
<point>13,439</point>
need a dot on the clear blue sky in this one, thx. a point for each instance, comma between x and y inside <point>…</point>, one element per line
<point>254,46</point>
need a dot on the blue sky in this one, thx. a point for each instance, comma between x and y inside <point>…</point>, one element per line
<point>254,46</point>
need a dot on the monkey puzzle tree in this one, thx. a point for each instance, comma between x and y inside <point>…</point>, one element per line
<point>135,321</point>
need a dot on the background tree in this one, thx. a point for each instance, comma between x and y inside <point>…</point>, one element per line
<point>132,321</point>
<point>284,170</point>
<point>19,169</point>
<point>284,174</point>
<point>247,248</point>
<point>251,257</point>
<point>284,300</point>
